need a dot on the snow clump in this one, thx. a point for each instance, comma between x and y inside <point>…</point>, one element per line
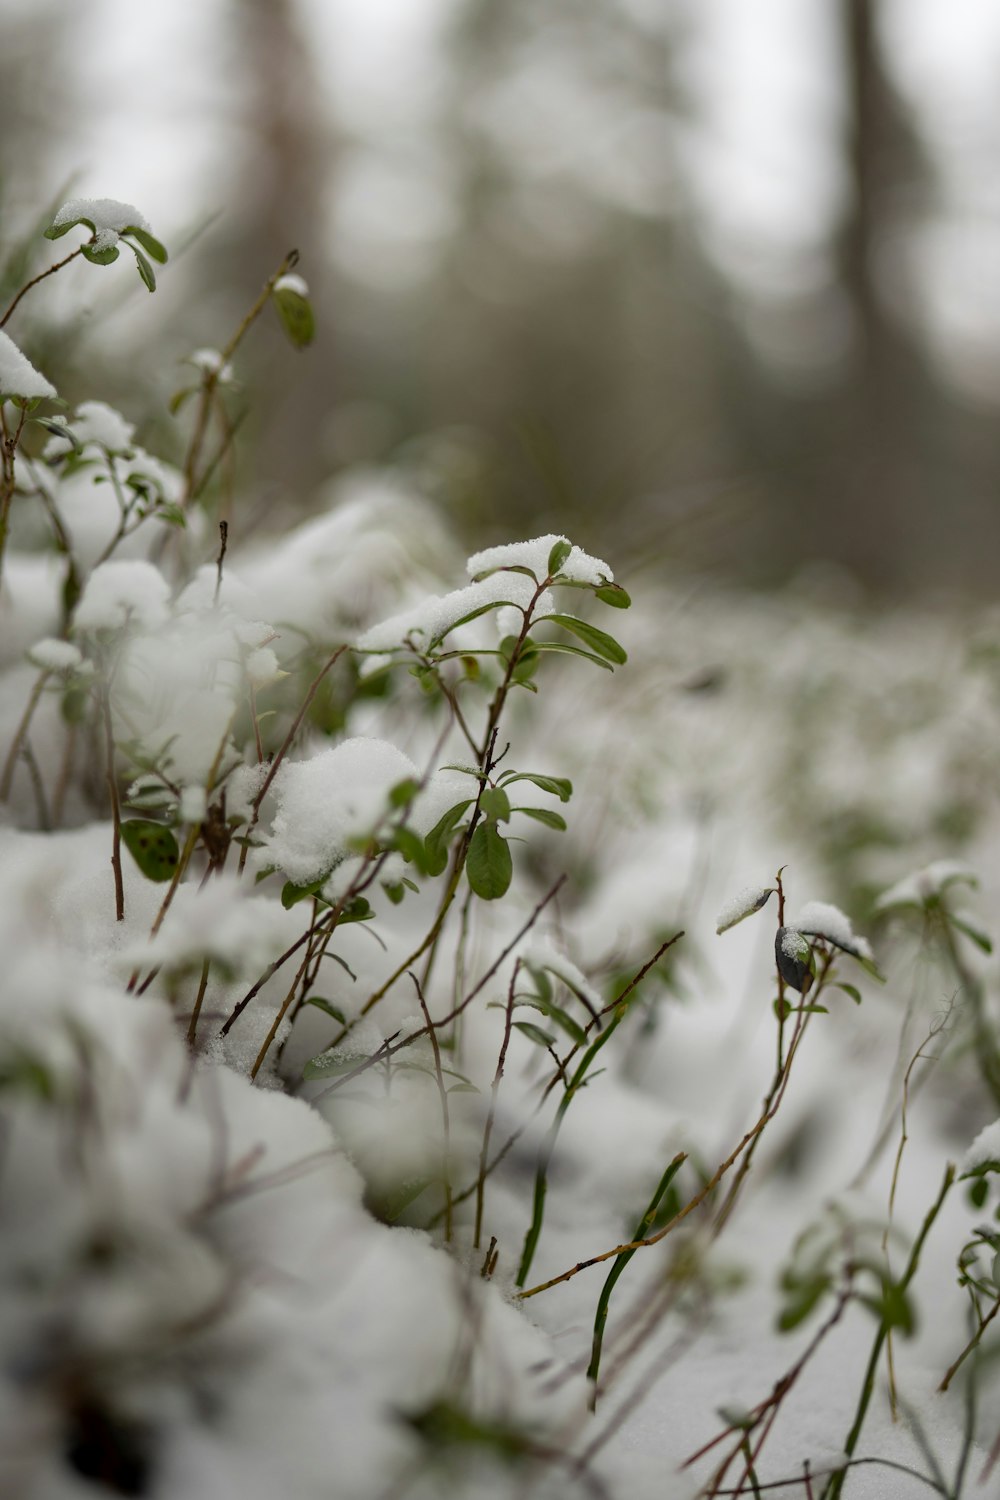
<point>110,219</point>
<point>820,919</point>
<point>119,593</point>
<point>579,566</point>
<point>18,376</point>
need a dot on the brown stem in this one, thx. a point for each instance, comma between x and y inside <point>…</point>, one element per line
<point>22,729</point>
<point>488,1129</point>
<point>36,279</point>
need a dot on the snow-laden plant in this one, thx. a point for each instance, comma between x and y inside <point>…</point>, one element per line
<point>314,943</point>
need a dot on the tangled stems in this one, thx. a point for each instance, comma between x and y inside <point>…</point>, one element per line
<point>771,1105</point>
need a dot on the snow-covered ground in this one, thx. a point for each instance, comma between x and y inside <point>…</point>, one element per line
<point>264,1036</point>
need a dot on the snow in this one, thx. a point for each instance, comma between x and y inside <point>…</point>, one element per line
<point>123,593</point>
<point>228,1264</point>
<point>434,618</point>
<point>324,803</point>
<point>210,360</point>
<point>820,919</point>
<point>579,565</point>
<point>94,422</point>
<point>746,901</point>
<point>54,655</point>
<point>109,218</point>
<point>541,954</point>
<point>18,376</point>
<point>984,1149</point>
<point>292,283</point>
<point>919,888</point>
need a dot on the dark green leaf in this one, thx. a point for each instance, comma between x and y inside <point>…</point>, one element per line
<point>437,841</point>
<point>849,989</point>
<point>104,257</point>
<point>808,1294</point>
<point>403,793</point>
<point>557,786</point>
<point>152,846</point>
<point>564,650</point>
<point>150,244</point>
<point>560,551</point>
<point>976,934</point>
<point>556,1013</point>
<point>613,594</point>
<point>598,641</point>
<point>292,894</point>
<point>979,1192</point>
<point>535,1033</point>
<point>145,270</point>
<point>543,815</point>
<point>296,315</point>
<point>494,803</point>
<point>794,968</point>
<point>489,866</point>
<point>357,910</point>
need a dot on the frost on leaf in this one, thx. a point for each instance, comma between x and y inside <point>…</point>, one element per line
<point>821,920</point>
<point>984,1153</point>
<point>578,566</point>
<point>433,618</point>
<point>18,376</point>
<point>750,899</point>
<point>94,423</point>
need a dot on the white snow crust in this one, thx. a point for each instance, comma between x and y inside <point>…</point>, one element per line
<point>54,655</point>
<point>18,376</point>
<point>746,901</point>
<point>579,565</point>
<point>109,217</point>
<point>820,919</point>
<point>122,593</point>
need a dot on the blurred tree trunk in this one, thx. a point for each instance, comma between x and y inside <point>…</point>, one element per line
<point>889,410</point>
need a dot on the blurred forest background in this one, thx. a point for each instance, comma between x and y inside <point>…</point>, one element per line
<point>706,282</point>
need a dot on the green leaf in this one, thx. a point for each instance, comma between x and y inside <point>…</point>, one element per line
<point>357,911</point>
<point>149,243</point>
<point>145,269</point>
<point>979,1192</point>
<point>557,786</point>
<point>543,815</point>
<point>560,551</point>
<point>564,650</point>
<point>849,989</point>
<point>489,866</point>
<point>292,894</point>
<point>403,793</point>
<point>178,399</point>
<point>599,642</point>
<point>981,940</point>
<point>494,803</point>
<point>296,314</point>
<point>105,257</point>
<point>56,231</point>
<point>556,1013</point>
<point>437,841</point>
<point>332,1011</point>
<point>613,594</point>
<point>535,1033</point>
<point>152,846</point>
<point>808,1294</point>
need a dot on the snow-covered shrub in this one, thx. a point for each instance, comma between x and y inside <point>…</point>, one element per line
<point>369,1124</point>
